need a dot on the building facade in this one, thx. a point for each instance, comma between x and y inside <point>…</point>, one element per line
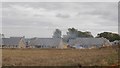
<point>45,43</point>
<point>89,42</point>
<point>13,42</point>
<point>21,42</point>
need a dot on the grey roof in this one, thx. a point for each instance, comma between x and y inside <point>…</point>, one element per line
<point>1,41</point>
<point>45,41</point>
<point>88,41</point>
<point>11,40</point>
<point>27,39</point>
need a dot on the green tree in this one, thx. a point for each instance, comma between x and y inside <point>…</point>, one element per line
<point>84,34</point>
<point>109,35</point>
<point>72,32</point>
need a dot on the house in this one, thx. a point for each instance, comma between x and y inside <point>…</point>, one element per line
<point>1,42</point>
<point>13,42</point>
<point>116,42</point>
<point>45,43</point>
<point>27,41</point>
<point>89,42</point>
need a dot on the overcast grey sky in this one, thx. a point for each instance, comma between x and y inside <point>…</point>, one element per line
<point>40,19</point>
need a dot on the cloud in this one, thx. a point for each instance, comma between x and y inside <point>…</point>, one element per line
<point>62,15</point>
<point>43,18</point>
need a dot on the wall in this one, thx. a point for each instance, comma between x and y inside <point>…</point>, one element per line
<point>22,44</point>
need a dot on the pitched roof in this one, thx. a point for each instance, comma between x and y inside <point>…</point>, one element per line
<point>88,41</point>
<point>45,41</point>
<point>11,40</point>
<point>1,41</point>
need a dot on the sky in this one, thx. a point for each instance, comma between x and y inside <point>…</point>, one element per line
<point>40,19</point>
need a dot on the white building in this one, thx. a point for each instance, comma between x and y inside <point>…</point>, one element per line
<point>13,42</point>
<point>89,42</point>
<point>45,43</point>
<point>116,42</point>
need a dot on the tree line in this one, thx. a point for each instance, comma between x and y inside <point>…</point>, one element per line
<point>74,33</point>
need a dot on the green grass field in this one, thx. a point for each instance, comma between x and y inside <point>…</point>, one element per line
<point>60,57</point>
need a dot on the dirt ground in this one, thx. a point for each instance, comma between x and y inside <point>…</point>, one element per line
<point>60,57</point>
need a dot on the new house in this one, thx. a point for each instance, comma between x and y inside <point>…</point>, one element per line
<point>0,42</point>
<point>116,42</point>
<point>45,43</point>
<point>13,42</point>
<point>88,42</point>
